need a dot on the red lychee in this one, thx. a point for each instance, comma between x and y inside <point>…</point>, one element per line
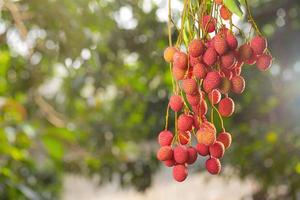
<point>189,86</point>
<point>169,53</point>
<point>192,152</point>
<point>196,48</point>
<point>180,173</point>
<point>214,96</point>
<point>194,60</point>
<point>210,56</point>
<point>178,73</point>
<point>193,99</point>
<point>184,137</point>
<point>164,153</point>
<point>165,138</point>
<point>206,133</point>
<point>231,40</point>
<point>185,122</point>
<point>220,44</point>
<point>258,45</point>
<point>225,138</point>
<point>237,84</point>
<point>176,103</point>
<point>213,165</point>
<point>217,150</point>
<point>180,60</point>
<point>180,154</point>
<point>252,60</point>
<point>169,163</point>
<point>201,108</point>
<point>225,13</point>
<point>264,62</point>
<point>227,60</point>
<point>209,23</point>
<point>225,85</point>
<point>226,107</point>
<point>211,81</point>
<point>219,2</point>
<point>202,149</point>
<point>245,52</point>
<point>199,71</point>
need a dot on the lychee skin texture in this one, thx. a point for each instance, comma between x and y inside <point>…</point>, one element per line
<point>180,154</point>
<point>225,13</point>
<point>178,73</point>
<point>252,60</point>
<point>211,81</point>
<point>258,45</point>
<point>210,56</point>
<point>164,153</point>
<point>201,108</point>
<point>165,138</point>
<point>226,107</point>
<point>193,99</point>
<point>225,138</point>
<point>209,23</point>
<point>238,84</point>
<point>225,86</point>
<point>217,150</point>
<point>220,44</point>
<point>206,133</point>
<point>169,53</point>
<point>213,165</point>
<point>214,96</point>
<point>196,48</point>
<point>194,60</point>
<point>245,52</point>
<point>264,62</point>
<point>189,86</point>
<point>176,103</point>
<point>199,71</point>
<point>202,149</point>
<point>169,163</point>
<point>227,61</point>
<point>231,40</point>
<point>180,173</point>
<point>192,155</point>
<point>185,122</point>
<point>184,137</point>
<point>180,60</point>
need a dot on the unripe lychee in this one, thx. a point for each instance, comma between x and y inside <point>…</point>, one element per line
<point>237,84</point>
<point>192,152</point>
<point>196,48</point>
<point>169,163</point>
<point>225,138</point>
<point>264,62</point>
<point>226,107</point>
<point>217,150</point>
<point>258,45</point>
<point>199,71</point>
<point>184,137</point>
<point>164,153</point>
<point>209,23</point>
<point>210,56</point>
<point>180,173</point>
<point>194,60</point>
<point>202,149</point>
<point>231,40</point>
<point>169,53</point>
<point>220,44</point>
<point>225,13</point>
<point>213,165</point>
<point>180,154</point>
<point>245,52</point>
<point>178,73</point>
<point>227,60</point>
<point>185,122</point>
<point>225,85</point>
<point>211,81</point>
<point>165,138</point>
<point>201,108</point>
<point>214,96</point>
<point>180,60</point>
<point>189,86</point>
<point>176,103</point>
<point>206,133</point>
<point>193,99</point>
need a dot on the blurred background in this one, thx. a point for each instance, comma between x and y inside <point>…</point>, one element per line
<point>83,92</point>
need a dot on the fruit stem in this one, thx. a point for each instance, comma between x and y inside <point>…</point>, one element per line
<point>167,117</point>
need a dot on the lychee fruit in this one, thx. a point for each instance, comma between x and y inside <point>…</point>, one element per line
<point>180,154</point>
<point>194,60</point>
<point>213,165</point>
<point>185,122</point>
<point>193,99</point>
<point>225,85</point>
<point>180,173</point>
<point>176,103</point>
<point>196,48</point>
<point>164,153</point>
<point>201,108</point>
<point>202,149</point>
<point>209,23</point>
<point>220,44</point>
<point>206,133</point>
<point>245,52</point>
<point>225,13</point>
<point>231,40</point>
<point>211,81</point>
<point>199,71</point>
<point>226,107</point>
<point>210,56</point>
<point>214,96</point>
<point>225,138</point>
<point>180,60</point>
<point>165,138</point>
<point>219,2</point>
<point>258,45</point>
<point>192,155</point>
<point>189,86</point>
<point>184,137</point>
<point>237,84</point>
<point>264,62</point>
<point>169,163</point>
<point>217,150</point>
<point>169,53</point>
<point>252,60</point>
<point>227,60</point>
<point>178,73</point>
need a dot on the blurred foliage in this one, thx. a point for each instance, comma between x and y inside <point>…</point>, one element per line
<point>84,89</point>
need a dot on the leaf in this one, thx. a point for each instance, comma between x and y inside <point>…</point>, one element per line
<point>234,7</point>
<point>53,147</point>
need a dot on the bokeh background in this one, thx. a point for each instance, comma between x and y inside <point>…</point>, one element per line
<point>83,91</point>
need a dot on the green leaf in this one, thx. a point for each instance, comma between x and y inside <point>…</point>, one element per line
<point>234,7</point>
<point>53,147</point>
